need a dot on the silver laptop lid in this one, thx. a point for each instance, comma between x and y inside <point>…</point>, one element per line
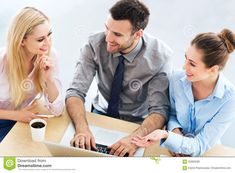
<point>69,151</point>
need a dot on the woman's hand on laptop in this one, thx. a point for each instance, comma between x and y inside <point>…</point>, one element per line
<point>83,140</point>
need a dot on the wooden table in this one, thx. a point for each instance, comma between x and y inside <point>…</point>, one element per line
<point>18,141</point>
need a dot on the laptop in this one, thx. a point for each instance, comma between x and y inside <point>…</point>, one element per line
<point>60,150</point>
<point>103,137</point>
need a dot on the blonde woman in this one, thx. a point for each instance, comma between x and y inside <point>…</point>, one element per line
<point>27,69</point>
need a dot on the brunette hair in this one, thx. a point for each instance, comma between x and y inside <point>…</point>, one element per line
<point>133,10</point>
<point>215,47</point>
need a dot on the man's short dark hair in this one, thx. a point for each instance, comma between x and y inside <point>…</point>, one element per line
<point>134,11</point>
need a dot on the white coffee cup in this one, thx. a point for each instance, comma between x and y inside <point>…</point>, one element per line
<point>38,129</point>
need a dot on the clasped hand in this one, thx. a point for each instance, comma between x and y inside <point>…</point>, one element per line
<point>45,64</point>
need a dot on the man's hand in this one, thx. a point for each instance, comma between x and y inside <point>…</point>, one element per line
<point>83,140</point>
<point>83,137</point>
<point>123,147</point>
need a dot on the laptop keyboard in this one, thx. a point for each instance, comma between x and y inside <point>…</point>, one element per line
<point>102,149</point>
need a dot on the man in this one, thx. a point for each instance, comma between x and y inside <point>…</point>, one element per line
<point>131,69</point>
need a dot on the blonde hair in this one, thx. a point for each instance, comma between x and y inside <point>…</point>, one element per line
<point>22,25</point>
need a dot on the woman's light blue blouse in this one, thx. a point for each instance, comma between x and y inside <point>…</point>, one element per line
<point>203,122</point>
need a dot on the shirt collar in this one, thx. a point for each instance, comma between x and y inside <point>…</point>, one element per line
<point>187,88</point>
<point>219,87</point>
<point>218,90</point>
<point>131,56</point>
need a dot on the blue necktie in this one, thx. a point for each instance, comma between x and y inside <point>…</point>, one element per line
<point>113,104</point>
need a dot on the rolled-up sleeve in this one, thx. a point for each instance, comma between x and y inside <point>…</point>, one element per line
<point>207,137</point>
<point>158,95</point>
<point>84,73</point>
<point>56,107</point>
